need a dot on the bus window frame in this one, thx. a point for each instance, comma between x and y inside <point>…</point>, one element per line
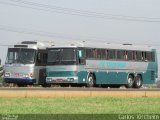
<point>81,61</point>
<point>40,61</point>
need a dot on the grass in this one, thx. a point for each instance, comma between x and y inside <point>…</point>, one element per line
<point>1,81</point>
<point>93,105</point>
<point>93,108</point>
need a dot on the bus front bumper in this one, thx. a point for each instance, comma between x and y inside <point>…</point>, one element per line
<point>62,79</point>
<point>20,81</point>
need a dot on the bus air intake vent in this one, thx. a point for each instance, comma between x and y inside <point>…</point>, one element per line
<point>127,44</point>
<point>24,46</point>
<point>29,42</point>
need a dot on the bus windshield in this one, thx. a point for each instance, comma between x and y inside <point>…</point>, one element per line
<point>61,56</point>
<point>21,55</point>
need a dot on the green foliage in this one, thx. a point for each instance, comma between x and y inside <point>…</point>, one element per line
<point>1,71</point>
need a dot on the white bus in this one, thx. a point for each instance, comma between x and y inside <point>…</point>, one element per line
<point>26,63</point>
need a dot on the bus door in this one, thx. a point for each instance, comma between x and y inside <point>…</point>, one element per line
<point>41,66</point>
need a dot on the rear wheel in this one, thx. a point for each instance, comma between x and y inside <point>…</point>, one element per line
<point>138,81</point>
<point>130,82</point>
<point>91,81</point>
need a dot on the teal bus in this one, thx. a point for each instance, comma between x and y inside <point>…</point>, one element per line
<point>100,64</point>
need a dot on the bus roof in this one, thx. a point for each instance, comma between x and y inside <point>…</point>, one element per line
<point>34,44</point>
<point>104,45</point>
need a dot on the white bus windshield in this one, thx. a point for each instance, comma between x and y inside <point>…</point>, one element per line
<point>62,56</point>
<point>21,55</point>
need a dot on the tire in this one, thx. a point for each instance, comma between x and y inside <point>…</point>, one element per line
<point>21,85</point>
<point>138,81</point>
<point>91,81</point>
<point>46,85</point>
<point>130,82</point>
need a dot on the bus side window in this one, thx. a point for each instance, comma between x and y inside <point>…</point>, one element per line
<point>148,56</point>
<point>152,56</point>
<point>145,56</point>
<point>99,54</point>
<point>103,54</point>
<point>81,58</point>
<point>111,54</point>
<point>120,54</point>
<point>38,58</point>
<point>126,55</point>
<point>139,56</point>
<point>129,55</point>
<point>45,58</point>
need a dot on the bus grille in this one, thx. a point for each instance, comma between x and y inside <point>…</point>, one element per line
<point>60,74</point>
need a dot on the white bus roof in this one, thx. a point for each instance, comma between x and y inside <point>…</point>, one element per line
<point>104,45</point>
<point>34,44</point>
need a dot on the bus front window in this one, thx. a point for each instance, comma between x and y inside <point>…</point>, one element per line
<point>20,55</point>
<point>27,56</point>
<point>68,54</point>
<point>53,56</point>
<point>62,56</point>
<point>13,55</point>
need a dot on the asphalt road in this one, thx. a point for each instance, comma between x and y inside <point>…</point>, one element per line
<point>74,89</point>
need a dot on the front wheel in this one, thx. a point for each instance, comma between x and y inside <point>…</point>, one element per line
<point>91,81</point>
<point>46,85</point>
<point>130,82</point>
<point>21,85</point>
<point>138,82</point>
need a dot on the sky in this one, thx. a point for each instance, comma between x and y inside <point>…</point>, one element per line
<point>113,21</point>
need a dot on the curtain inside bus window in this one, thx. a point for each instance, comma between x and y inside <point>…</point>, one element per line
<point>81,54</point>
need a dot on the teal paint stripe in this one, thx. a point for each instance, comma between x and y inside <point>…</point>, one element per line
<point>60,73</point>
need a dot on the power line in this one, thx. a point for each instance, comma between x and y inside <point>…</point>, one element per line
<point>70,11</point>
<point>43,33</point>
<point>67,37</point>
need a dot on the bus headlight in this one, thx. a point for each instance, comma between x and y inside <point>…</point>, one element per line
<point>7,74</point>
<point>31,75</point>
<point>26,75</point>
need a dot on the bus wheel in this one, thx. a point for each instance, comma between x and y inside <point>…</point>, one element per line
<point>46,85</point>
<point>130,82</point>
<point>91,81</point>
<point>138,81</point>
<point>21,85</point>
